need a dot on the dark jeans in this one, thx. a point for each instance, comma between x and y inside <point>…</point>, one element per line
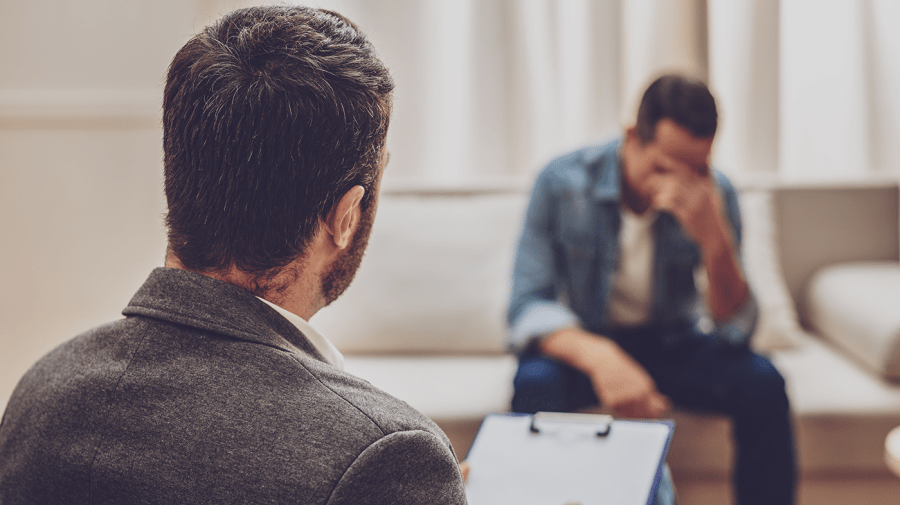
<point>698,373</point>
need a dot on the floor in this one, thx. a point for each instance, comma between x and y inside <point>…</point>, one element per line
<point>813,490</point>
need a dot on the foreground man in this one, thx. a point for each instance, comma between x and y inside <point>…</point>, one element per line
<point>628,289</point>
<point>214,388</point>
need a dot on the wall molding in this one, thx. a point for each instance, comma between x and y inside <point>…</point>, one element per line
<point>775,181</point>
<point>80,108</point>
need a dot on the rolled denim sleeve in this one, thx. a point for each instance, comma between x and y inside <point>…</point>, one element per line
<point>535,309</point>
<point>538,320</point>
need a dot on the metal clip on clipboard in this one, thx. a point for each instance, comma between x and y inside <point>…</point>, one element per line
<point>544,422</point>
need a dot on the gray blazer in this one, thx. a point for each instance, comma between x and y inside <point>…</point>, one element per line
<point>204,394</point>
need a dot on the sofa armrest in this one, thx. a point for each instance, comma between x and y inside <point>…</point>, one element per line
<point>857,307</point>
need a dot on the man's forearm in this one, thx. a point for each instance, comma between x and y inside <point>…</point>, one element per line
<point>696,204</point>
<point>577,348</point>
<point>727,288</point>
<point>618,380</point>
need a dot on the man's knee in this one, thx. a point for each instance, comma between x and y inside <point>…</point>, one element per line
<point>764,386</point>
<point>537,369</point>
<point>540,384</point>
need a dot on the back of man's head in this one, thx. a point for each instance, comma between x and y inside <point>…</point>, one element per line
<point>270,116</point>
<point>688,102</point>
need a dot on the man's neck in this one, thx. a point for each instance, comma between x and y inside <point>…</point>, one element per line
<point>291,288</point>
<point>630,198</point>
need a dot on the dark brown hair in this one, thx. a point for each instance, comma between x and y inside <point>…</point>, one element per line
<point>270,116</point>
<point>685,101</point>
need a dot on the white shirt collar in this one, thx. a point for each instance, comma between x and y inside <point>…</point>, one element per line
<point>319,341</point>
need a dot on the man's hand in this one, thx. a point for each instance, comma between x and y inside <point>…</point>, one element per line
<point>695,202</point>
<point>619,381</point>
<point>692,197</point>
<point>624,386</point>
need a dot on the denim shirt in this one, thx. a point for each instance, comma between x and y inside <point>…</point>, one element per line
<point>568,255</point>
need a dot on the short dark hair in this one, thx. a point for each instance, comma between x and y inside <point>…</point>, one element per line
<point>270,115</point>
<point>685,101</point>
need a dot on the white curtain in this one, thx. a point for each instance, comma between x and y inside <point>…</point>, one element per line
<point>489,90</point>
<point>808,89</point>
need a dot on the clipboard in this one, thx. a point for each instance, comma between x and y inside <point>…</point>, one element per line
<point>558,459</point>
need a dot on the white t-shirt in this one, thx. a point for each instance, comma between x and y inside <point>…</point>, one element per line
<point>631,296</point>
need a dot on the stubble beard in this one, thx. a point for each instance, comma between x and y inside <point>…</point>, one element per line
<point>343,270</point>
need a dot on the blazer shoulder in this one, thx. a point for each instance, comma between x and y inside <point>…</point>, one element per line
<point>387,412</point>
<point>403,467</point>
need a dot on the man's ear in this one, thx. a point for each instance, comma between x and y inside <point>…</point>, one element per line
<point>344,216</point>
<point>631,134</point>
<point>632,141</point>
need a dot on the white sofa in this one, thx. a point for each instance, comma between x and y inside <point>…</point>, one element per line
<point>424,319</point>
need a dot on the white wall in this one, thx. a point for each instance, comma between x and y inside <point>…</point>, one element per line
<point>81,199</point>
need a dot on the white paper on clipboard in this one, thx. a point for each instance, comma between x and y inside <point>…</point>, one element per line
<point>567,463</point>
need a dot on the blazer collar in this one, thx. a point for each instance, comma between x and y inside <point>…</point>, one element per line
<point>201,302</point>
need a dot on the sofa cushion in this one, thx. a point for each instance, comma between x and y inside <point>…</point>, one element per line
<point>778,326</point>
<point>857,306</point>
<point>842,412</point>
<point>435,278</point>
<point>444,388</point>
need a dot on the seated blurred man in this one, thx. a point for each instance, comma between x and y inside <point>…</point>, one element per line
<point>214,388</point>
<point>628,289</point>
